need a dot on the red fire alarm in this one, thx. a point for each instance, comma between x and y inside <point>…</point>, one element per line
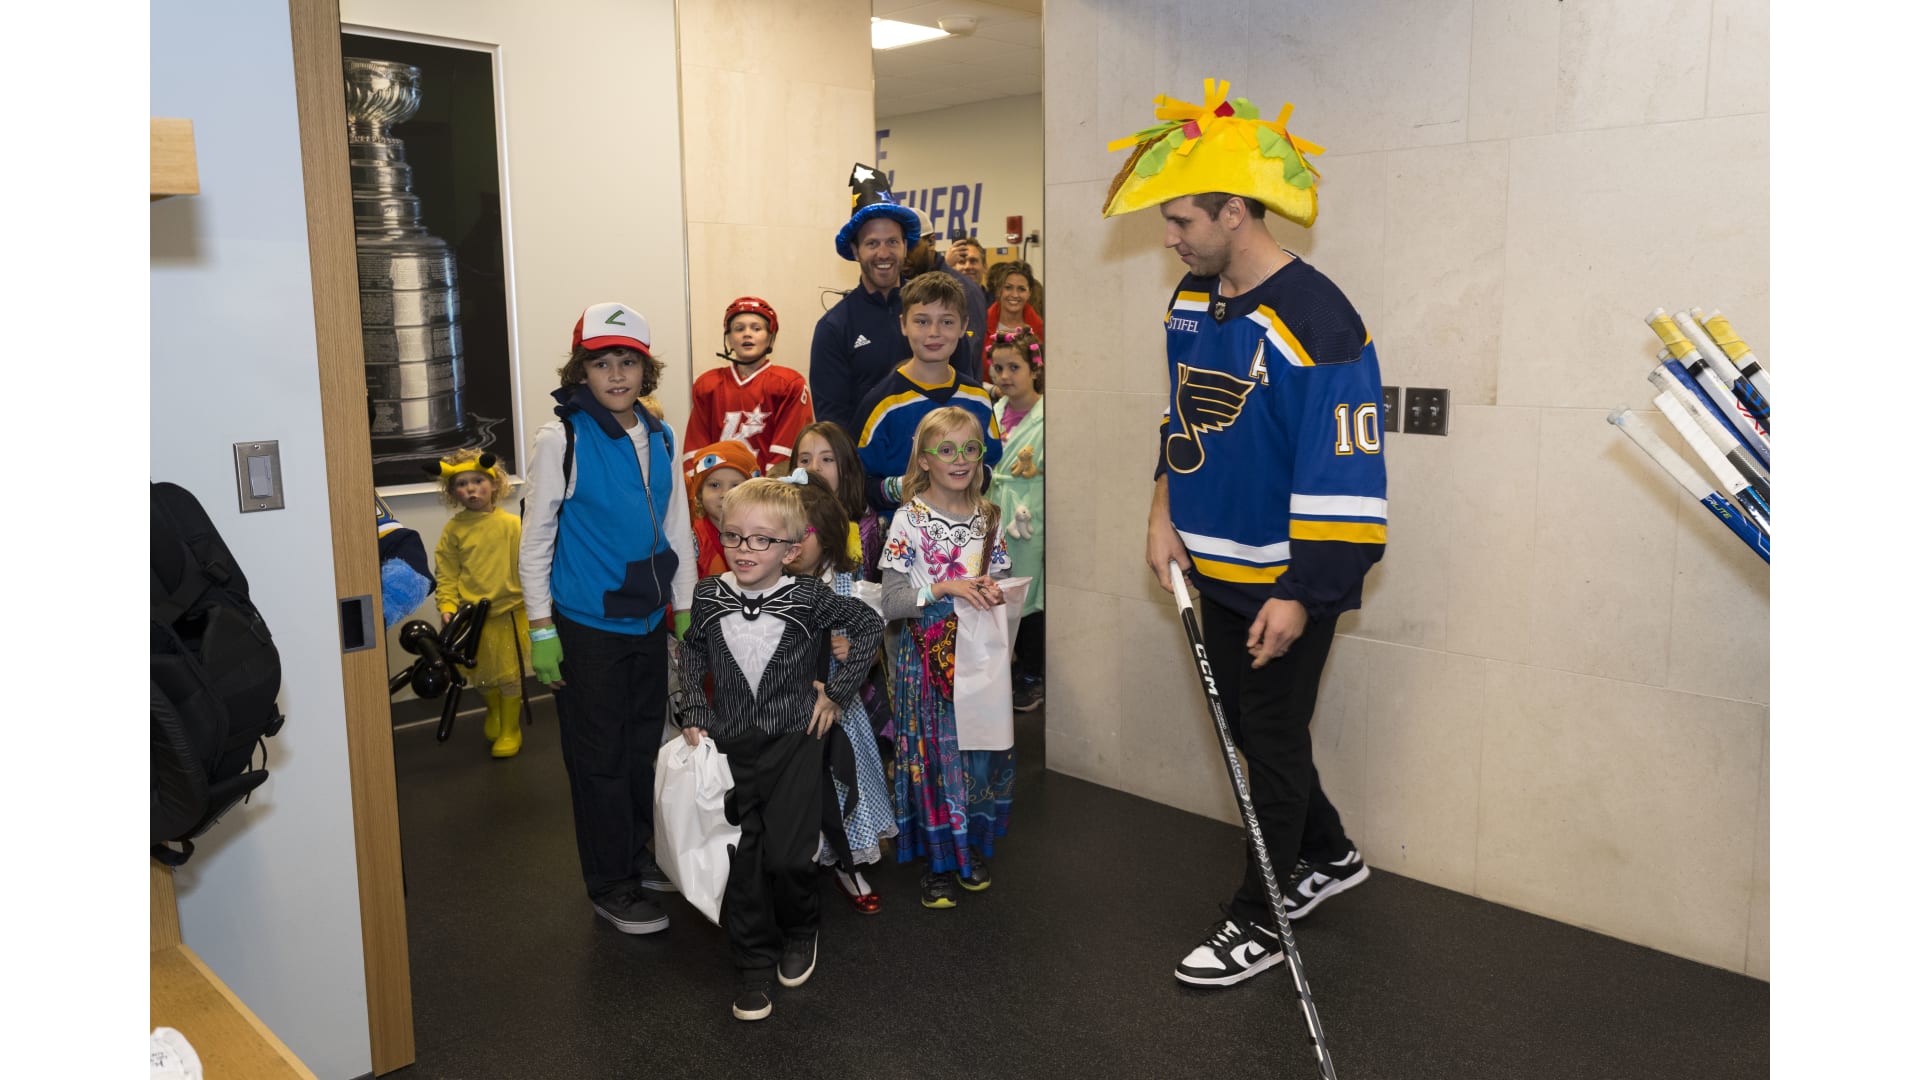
<point>1014,229</point>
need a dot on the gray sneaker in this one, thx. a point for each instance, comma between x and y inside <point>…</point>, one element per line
<point>631,912</point>
<point>797,959</point>
<point>652,877</point>
<point>752,1001</point>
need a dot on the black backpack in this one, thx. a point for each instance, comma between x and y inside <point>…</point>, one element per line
<point>215,676</point>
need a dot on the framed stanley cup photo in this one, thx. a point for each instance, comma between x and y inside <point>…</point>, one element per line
<point>424,151</point>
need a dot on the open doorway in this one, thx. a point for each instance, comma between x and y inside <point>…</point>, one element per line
<point>959,133</point>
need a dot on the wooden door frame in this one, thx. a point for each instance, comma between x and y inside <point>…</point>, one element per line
<point>320,90</point>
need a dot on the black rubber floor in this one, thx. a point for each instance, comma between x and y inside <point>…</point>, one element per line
<point>1062,969</point>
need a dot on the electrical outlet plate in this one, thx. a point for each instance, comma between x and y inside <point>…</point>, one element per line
<point>1426,411</point>
<point>1389,408</point>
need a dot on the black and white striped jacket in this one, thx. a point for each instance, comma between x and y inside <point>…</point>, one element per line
<point>783,704</point>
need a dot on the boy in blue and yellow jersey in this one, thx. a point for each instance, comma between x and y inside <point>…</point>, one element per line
<point>933,315</point>
<point>1271,492</point>
<point>606,551</point>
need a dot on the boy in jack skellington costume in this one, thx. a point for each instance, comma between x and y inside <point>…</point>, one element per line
<point>764,636</point>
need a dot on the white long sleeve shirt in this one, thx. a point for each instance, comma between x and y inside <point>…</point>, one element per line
<point>539,522</point>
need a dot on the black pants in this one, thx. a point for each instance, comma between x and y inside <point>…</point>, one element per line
<point>771,895</point>
<point>1268,711</point>
<point>1030,648</point>
<point>612,709</point>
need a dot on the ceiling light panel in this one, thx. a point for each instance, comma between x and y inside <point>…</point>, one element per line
<point>890,34</point>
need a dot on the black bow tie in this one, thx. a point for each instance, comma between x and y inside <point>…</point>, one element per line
<point>786,604</point>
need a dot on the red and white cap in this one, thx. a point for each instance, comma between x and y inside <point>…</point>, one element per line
<point>613,326</point>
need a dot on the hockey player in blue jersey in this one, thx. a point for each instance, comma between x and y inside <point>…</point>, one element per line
<point>1271,489</point>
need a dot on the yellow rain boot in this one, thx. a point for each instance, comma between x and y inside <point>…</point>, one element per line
<point>491,729</point>
<point>508,744</point>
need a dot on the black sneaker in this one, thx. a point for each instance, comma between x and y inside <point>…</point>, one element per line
<point>1029,695</point>
<point>1312,882</point>
<point>979,877</point>
<point>937,891</point>
<point>797,960</point>
<point>652,877</point>
<point>752,1001</point>
<point>1230,954</point>
<point>631,912</point>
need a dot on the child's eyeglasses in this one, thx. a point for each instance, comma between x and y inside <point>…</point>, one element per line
<point>756,542</point>
<point>971,450</point>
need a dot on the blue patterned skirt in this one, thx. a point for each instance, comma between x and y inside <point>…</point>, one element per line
<point>950,804</point>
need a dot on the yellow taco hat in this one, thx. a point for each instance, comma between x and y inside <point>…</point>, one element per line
<point>1220,144</point>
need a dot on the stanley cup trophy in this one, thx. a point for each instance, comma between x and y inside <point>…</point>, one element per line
<point>409,295</point>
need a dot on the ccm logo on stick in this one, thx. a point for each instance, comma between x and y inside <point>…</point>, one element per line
<point>1206,669</point>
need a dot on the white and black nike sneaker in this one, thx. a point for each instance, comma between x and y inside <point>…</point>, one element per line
<point>1312,882</point>
<point>1230,954</point>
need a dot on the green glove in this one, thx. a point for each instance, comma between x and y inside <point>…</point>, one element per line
<point>546,659</point>
<point>681,620</point>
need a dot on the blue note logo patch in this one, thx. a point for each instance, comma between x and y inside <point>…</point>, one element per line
<point>1203,401</point>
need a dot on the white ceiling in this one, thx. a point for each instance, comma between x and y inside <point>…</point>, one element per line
<point>1001,58</point>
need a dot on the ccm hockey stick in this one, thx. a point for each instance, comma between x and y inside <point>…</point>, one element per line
<point>1759,446</point>
<point>1743,388</point>
<point>1663,378</point>
<point>1749,427</point>
<point>1719,468</point>
<point>1676,467</point>
<point>1190,620</point>
<point>1738,352</point>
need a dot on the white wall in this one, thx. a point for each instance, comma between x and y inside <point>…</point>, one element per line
<point>1556,695</point>
<point>271,899</point>
<point>778,107</point>
<point>992,147</point>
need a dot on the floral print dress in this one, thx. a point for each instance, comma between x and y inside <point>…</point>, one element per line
<point>950,804</point>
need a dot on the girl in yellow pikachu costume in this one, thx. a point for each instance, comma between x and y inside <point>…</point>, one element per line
<point>479,559</point>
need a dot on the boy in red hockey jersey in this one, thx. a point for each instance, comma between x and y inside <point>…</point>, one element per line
<point>752,399</point>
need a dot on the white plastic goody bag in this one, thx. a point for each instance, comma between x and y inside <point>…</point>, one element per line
<point>983,670</point>
<point>690,830</point>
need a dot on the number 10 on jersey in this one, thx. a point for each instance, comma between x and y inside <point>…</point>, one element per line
<point>1356,425</point>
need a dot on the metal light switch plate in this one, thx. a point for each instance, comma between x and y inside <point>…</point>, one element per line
<point>256,468</point>
<point>1426,412</point>
<point>1389,408</point>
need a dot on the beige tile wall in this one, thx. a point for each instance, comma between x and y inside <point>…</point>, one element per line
<point>777,105</point>
<point>1556,695</point>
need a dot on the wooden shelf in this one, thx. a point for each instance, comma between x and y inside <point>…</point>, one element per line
<point>188,997</point>
<point>230,1040</point>
<point>175,172</point>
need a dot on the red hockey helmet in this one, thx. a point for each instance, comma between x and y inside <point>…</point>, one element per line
<point>751,305</point>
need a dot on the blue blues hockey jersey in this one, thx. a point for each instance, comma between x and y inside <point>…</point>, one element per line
<point>894,408</point>
<point>1276,477</point>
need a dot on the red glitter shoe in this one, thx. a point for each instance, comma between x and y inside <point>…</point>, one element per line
<point>865,901</point>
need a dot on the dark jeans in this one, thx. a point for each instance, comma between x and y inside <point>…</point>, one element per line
<point>612,709</point>
<point>771,895</point>
<point>1030,648</point>
<point>1268,712</point>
